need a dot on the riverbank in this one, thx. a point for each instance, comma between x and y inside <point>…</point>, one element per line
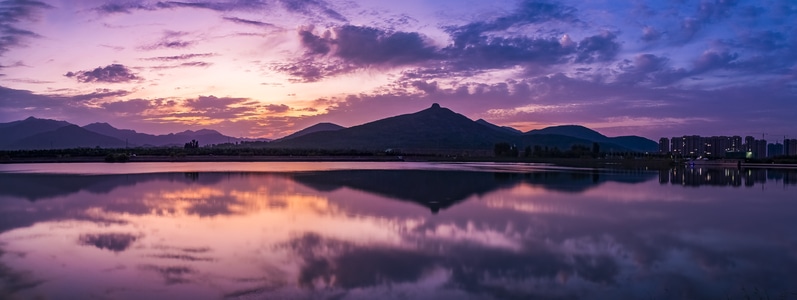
<point>625,163</point>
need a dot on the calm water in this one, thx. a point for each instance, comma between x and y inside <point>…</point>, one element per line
<point>394,230</point>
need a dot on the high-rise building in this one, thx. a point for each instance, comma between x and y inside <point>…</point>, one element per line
<point>749,143</point>
<point>677,145</point>
<point>760,148</point>
<point>736,144</point>
<point>775,149</point>
<point>790,147</point>
<point>693,145</point>
<point>664,145</point>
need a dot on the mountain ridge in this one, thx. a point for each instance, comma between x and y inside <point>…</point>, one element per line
<point>432,129</point>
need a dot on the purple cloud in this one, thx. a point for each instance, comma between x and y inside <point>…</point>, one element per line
<point>249,22</point>
<point>352,47</point>
<point>277,108</point>
<point>180,57</point>
<point>121,7</point>
<point>369,46</point>
<point>650,34</point>
<point>597,48</point>
<point>115,73</point>
<point>312,7</point>
<point>308,70</point>
<point>11,13</point>
<point>170,39</point>
<point>527,12</point>
<point>133,106</point>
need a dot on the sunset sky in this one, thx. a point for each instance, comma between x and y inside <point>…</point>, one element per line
<point>251,68</point>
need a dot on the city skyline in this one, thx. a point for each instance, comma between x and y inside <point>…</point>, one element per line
<point>268,68</point>
<point>727,146</point>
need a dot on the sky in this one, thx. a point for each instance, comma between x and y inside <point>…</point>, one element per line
<point>267,68</point>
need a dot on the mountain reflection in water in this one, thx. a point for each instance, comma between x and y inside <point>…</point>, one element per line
<point>366,234</point>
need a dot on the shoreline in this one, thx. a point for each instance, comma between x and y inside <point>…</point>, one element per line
<point>565,162</point>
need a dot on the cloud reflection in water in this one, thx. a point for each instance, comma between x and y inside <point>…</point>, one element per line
<point>370,233</point>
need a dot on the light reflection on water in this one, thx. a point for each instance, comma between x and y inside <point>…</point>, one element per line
<point>435,231</point>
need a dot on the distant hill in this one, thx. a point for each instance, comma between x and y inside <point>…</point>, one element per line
<point>70,136</point>
<point>315,128</point>
<point>623,143</point>
<point>432,128</point>
<point>12,132</point>
<point>133,138</point>
<point>505,129</point>
<point>576,131</point>
<point>33,133</point>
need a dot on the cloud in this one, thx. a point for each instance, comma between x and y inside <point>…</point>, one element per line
<point>277,108</point>
<point>13,12</point>
<point>308,70</point>
<point>133,106</point>
<point>215,5</point>
<point>312,7</point>
<point>650,34</point>
<point>711,60</point>
<point>214,108</point>
<point>170,39</point>
<point>597,48</point>
<point>180,57</point>
<point>249,22</point>
<point>497,52</point>
<point>26,80</point>
<point>347,48</point>
<point>99,94</point>
<point>115,73</point>
<point>121,7</point>
<point>367,46</point>
<point>527,12</point>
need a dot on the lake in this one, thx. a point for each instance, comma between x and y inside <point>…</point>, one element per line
<point>335,230</point>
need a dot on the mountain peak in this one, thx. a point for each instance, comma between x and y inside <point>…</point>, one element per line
<point>435,106</point>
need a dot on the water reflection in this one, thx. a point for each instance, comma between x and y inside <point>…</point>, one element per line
<point>365,234</point>
<point>727,177</point>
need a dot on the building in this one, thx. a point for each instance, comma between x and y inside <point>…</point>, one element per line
<point>694,145</point>
<point>664,145</point>
<point>760,149</point>
<point>775,149</point>
<point>677,146</point>
<point>790,147</point>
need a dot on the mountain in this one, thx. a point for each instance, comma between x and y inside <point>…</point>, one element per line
<point>204,136</point>
<point>12,132</point>
<point>636,143</point>
<point>432,128</point>
<point>133,138</point>
<point>315,128</point>
<point>70,136</point>
<point>505,129</point>
<point>622,143</point>
<point>572,130</point>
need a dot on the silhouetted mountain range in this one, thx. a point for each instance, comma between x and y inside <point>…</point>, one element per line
<point>315,128</point>
<point>634,143</point>
<point>438,128</point>
<point>433,129</point>
<point>33,133</point>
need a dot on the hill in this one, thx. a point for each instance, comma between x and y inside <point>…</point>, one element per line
<point>432,128</point>
<point>504,129</point>
<point>12,132</point>
<point>315,128</point>
<point>133,138</point>
<point>70,136</point>
<point>622,143</point>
